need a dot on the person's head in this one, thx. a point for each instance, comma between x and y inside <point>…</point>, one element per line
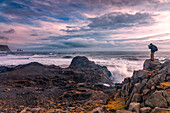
<point>151,44</point>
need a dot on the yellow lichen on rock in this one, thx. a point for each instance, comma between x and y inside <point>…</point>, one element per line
<point>115,104</point>
<point>165,85</point>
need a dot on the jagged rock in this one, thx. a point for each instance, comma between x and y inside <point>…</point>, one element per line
<point>137,88</point>
<point>144,82</point>
<point>134,107</point>
<point>151,65</point>
<point>166,95</point>
<point>81,62</point>
<point>136,98</point>
<point>123,111</point>
<point>141,74</point>
<point>166,63</point>
<point>150,83</point>
<point>156,100</point>
<point>127,80</point>
<point>162,110</point>
<point>145,91</point>
<point>99,110</point>
<point>159,78</point>
<point>145,110</point>
<point>94,73</point>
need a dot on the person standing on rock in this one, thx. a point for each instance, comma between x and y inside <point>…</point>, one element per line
<point>153,49</point>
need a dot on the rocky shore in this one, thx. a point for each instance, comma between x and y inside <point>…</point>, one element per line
<point>35,87</point>
<point>83,87</point>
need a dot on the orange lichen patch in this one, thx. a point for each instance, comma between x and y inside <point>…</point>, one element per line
<point>151,72</point>
<point>115,104</point>
<point>165,85</point>
<point>163,112</point>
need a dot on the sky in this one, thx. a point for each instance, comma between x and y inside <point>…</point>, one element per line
<point>85,25</point>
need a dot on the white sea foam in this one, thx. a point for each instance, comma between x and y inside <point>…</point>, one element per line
<point>120,68</point>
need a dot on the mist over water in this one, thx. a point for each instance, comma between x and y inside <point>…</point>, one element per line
<point>120,64</point>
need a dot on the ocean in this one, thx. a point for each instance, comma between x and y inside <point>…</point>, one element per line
<point>120,63</point>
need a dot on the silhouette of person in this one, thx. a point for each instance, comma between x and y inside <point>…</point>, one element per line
<point>153,49</point>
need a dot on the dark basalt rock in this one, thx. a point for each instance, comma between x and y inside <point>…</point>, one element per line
<point>4,48</point>
<point>35,85</point>
<point>144,87</point>
<point>81,63</point>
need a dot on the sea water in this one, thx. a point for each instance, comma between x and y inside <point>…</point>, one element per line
<point>120,63</point>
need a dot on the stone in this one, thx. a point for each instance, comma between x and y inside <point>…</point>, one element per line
<point>166,95</point>
<point>151,65</point>
<point>37,110</point>
<point>166,63</point>
<point>162,110</point>
<point>134,107</point>
<point>144,82</point>
<point>127,80</point>
<point>141,74</point>
<point>156,100</point>
<point>150,83</point>
<point>145,110</point>
<point>137,88</point>
<point>123,111</point>
<point>136,98</point>
<point>99,110</point>
<point>145,91</point>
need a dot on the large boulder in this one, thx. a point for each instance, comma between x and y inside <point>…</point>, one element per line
<point>81,63</point>
<point>94,73</point>
<point>151,65</point>
<point>145,110</point>
<point>134,107</point>
<point>156,100</point>
<point>160,110</point>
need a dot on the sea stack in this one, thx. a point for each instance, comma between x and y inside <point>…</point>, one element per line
<point>4,48</point>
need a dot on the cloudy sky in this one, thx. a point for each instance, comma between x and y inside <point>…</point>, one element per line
<point>85,25</point>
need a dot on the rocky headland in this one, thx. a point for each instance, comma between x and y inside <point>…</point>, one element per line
<point>83,87</point>
<point>4,48</point>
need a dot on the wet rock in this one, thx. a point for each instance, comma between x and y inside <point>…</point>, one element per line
<point>99,110</point>
<point>145,110</point>
<point>134,107</point>
<point>162,110</point>
<point>156,100</point>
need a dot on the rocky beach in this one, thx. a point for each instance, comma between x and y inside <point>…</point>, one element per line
<point>83,87</point>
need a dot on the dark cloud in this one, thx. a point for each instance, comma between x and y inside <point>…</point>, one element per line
<point>3,38</point>
<point>34,34</point>
<point>119,20</point>
<point>10,31</point>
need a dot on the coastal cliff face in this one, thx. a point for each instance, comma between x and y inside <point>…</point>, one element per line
<point>4,48</point>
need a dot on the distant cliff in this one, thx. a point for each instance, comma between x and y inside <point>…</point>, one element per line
<point>4,48</point>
